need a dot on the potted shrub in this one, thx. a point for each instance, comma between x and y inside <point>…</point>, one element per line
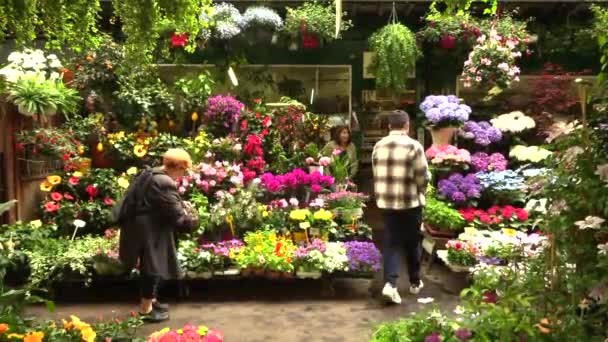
<point>441,219</point>
<point>314,23</point>
<point>444,114</point>
<point>263,22</point>
<point>396,52</point>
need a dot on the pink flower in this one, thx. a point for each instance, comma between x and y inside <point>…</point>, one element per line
<point>181,190</point>
<point>324,161</point>
<point>212,183</point>
<point>486,61</point>
<point>310,160</point>
<point>503,66</point>
<point>316,188</point>
<point>478,79</point>
<point>294,201</point>
<point>337,152</point>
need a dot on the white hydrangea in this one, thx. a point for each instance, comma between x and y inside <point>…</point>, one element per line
<point>29,63</point>
<point>514,122</point>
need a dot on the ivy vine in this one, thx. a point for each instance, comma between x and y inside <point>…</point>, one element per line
<point>395,56</point>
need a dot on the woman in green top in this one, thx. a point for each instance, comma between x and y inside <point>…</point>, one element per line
<point>342,140</point>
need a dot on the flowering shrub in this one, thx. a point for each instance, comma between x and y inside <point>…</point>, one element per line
<point>222,114</point>
<point>532,154</point>
<point>188,333</point>
<point>256,121</point>
<point>444,111</point>
<point>482,133</point>
<point>460,189</point>
<point>514,122</point>
<point>482,162</point>
<point>362,256</point>
<point>496,217</point>
<point>447,154</point>
<point>262,16</point>
<point>462,253</point>
<point>492,62</point>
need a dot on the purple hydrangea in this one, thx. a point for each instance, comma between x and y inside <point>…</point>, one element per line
<point>460,189</point>
<point>442,111</point>
<point>482,132</point>
<point>363,256</point>
<point>482,162</point>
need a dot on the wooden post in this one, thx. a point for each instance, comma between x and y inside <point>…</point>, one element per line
<point>8,122</point>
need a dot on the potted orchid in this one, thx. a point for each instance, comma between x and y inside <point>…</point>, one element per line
<point>443,114</point>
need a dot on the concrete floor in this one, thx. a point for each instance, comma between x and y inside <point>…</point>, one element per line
<point>257,310</point>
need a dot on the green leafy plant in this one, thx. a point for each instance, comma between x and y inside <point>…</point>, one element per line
<point>396,52</point>
<point>441,215</point>
<point>315,18</point>
<point>36,96</point>
<point>194,91</point>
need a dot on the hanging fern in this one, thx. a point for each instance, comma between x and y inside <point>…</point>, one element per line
<point>396,53</point>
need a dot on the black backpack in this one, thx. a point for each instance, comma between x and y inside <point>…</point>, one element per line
<point>126,208</point>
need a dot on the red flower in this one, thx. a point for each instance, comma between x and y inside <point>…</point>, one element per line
<point>108,201</point>
<point>244,125</point>
<point>66,157</point>
<point>56,196</point>
<point>267,122</point>
<point>265,132</point>
<point>467,215</point>
<point>508,212</point>
<point>74,180</point>
<point>490,297</point>
<point>485,219</point>
<point>522,215</point>
<point>50,207</point>
<point>67,196</point>
<point>458,245</point>
<point>257,101</point>
<point>92,191</point>
<point>20,147</point>
<point>447,42</point>
<point>479,212</point>
<point>277,249</point>
<point>179,40</point>
<point>494,210</point>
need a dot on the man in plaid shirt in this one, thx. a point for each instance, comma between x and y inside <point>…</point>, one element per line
<point>400,181</point>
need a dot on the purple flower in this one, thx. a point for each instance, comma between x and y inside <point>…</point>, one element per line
<point>483,133</point>
<point>483,162</point>
<point>363,256</point>
<point>460,189</point>
<point>434,337</point>
<point>223,111</point>
<point>445,110</point>
<point>303,251</point>
<point>463,334</point>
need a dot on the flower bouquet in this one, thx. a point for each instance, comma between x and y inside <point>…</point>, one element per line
<point>443,114</point>
<point>496,218</point>
<point>482,162</point>
<point>188,333</point>
<point>460,189</point>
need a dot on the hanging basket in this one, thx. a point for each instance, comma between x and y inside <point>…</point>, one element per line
<point>39,166</point>
<point>442,136</point>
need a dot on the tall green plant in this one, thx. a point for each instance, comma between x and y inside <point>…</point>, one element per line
<point>396,53</point>
<point>314,17</point>
<point>600,28</point>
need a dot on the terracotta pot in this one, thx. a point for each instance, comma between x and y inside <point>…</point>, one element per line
<point>439,233</point>
<point>443,136</point>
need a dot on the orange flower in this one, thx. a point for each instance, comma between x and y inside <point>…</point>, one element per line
<point>36,336</point>
<point>140,150</point>
<point>3,328</point>
<point>54,179</point>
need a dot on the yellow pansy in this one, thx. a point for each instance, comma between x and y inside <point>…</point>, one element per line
<point>140,150</point>
<point>36,223</point>
<point>299,214</point>
<point>53,179</point>
<point>132,170</point>
<point>202,330</point>
<point>123,182</point>
<point>46,186</point>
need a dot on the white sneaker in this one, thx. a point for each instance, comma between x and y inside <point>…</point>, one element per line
<point>416,289</point>
<point>391,294</point>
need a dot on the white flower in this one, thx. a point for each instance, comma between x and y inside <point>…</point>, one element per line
<point>294,201</point>
<point>79,223</point>
<point>602,248</point>
<point>238,147</point>
<point>602,172</point>
<point>590,222</point>
<point>36,224</point>
<point>459,310</point>
<point>426,300</point>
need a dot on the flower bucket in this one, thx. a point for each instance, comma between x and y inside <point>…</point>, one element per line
<point>439,233</point>
<point>299,237</point>
<point>443,136</point>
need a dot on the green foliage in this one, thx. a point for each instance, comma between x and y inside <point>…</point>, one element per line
<point>194,91</point>
<point>36,96</point>
<point>396,54</point>
<point>6,206</point>
<point>201,203</point>
<point>316,18</point>
<point>600,28</point>
<point>442,215</point>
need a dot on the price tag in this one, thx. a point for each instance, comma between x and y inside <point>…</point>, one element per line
<point>428,245</point>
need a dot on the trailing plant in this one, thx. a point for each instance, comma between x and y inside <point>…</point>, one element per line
<point>396,54</point>
<point>315,18</point>
<point>260,16</point>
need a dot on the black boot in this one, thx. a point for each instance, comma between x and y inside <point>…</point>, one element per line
<point>155,316</point>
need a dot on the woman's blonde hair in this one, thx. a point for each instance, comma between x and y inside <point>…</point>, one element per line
<point>177,159</point>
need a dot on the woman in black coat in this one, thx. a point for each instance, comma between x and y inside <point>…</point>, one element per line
<point>155,211</point>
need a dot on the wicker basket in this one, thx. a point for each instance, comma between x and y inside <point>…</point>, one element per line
<point>39,167</point>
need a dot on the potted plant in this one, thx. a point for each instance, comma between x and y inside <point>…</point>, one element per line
<point>461,255</point>
<point>444,114</point>
<point>308,259</point>
<point>228,21</point>
<point>314,23</point>
<point>263,22</point>
<point>441,219</point>
<point>395,57</point>
<point>363,257</point>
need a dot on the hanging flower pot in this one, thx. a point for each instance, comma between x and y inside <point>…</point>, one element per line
<point>447,42</point>
<point>442,136</point>
<point>310,41</point>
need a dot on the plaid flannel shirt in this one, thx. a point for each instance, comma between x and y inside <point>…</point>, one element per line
<point>400,172</point>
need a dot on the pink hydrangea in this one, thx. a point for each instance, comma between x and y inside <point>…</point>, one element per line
<point>447,153</point>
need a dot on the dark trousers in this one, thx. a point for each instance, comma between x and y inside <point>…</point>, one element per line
<point>402,234</point>
<point>149,285</point>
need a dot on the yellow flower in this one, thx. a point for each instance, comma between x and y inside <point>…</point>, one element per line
<point>202,330</point>
<point>36,336</point>
<point>510,232</point>
<point>54,179</point>
<point>140,150</point>
<point>265,213</point>
<point>323,215</point>
<point>36,223</point>
<point>88,334</point>
<point>194,116</point>
<point>123,182</point>
<point>99,147</point>
<point>470,230</point>
<point>17,336</point>
<point>46,186</point>
<point>132,170</point>
<point>299,214</point>
<point>77,174</point>
<point>164,330</point>
<point>80,149</point>
<point>180,331</point>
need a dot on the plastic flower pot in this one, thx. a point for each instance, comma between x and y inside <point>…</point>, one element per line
<point>447,42</point>
<point>310,41</point>
<point>442,136</point>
